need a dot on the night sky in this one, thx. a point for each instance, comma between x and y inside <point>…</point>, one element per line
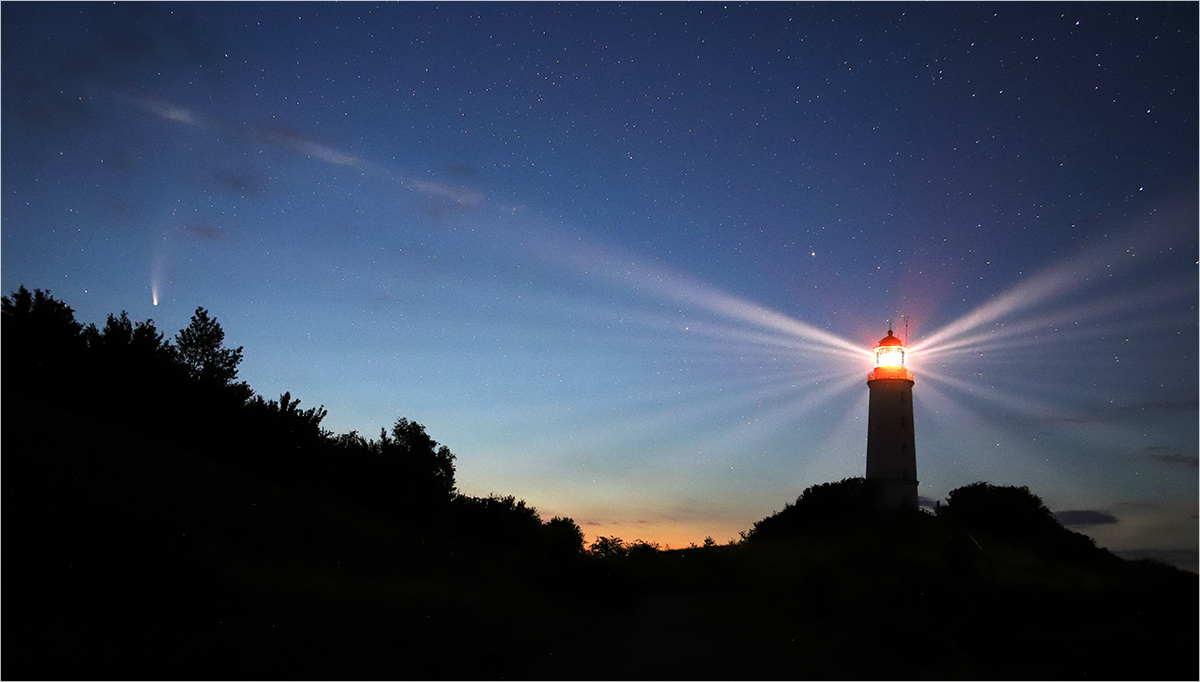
<point>629,261</point>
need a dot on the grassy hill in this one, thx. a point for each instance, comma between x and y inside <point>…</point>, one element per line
<point>134,556</point>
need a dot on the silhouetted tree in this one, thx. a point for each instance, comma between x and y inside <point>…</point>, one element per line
<point>1015,515</point>
<point>352,441</point>
<point>563,536</point>
<point>818,507</point>
<point>404,471</point>
<point>420,458</point>
<point>124,345</point>
<point>285,414</point>
<point>199,348</point>
<point>41,338</point>
<point>40,315</point>
<point>614,546</point>
<point>639,549</point>
<point>287,439</point>
<point>501,523</point>
<point>1004,509</point>
<point>131,367</point>
<point>607,547</point>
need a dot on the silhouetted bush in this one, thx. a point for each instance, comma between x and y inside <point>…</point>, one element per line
<point>604,548</point>
<point>42,343</point>
<point>641,549</point>
<point>1017,515</point>
<point>126,345</point>
<point>563,536</point>
<point>199,348</point>
<point>613,547</point>
<point>502,522</point>
<point>1001,509</point>
<point>292,428</point>
<point>404,473</point>
<point>816,508</point>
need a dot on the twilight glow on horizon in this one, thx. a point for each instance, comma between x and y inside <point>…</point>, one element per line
<point>631,262</point>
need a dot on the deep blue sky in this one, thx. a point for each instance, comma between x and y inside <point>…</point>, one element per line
<point>627,261</point>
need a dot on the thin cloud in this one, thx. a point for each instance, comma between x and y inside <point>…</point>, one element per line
<point>1166,455</point>
<point>278,135</point>
<point>241,183</point>
<point>1180,557</point>
<point>205,231</point>
<point>290,138</point>
<point>1084,517</point>
<point>166,110</point>
<point>460,196</point>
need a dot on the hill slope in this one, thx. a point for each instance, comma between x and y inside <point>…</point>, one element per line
<point>138,558</point>
<point>161,521</point>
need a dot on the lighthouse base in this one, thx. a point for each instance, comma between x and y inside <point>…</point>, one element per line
<point>896,494</point>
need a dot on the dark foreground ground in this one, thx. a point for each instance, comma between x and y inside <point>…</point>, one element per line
<point>127,558</point>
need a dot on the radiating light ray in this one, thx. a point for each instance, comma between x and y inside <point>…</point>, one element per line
<point>1057,281</point>
<point>711,409</point>
<point>774,341</point>
<point>1024,295</point>
<point>1032,332</point>
<point>844,443</point>
<point>727,383</point>
<point>724,338</point>
<point>986,450</point>
<point>1016,403</point>
<point>739,309</point>
<point>626,270</point>
<point>706,412</point>
<point>768,422</point>
<point>980,420</point>
<point>1071,304</point>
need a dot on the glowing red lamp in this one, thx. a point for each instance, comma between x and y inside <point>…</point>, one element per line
<point>889,360</point>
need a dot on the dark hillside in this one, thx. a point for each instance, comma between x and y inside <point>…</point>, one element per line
<point>901,599</point>
<point>127,559</point>
<point>160,524</point>
<point>165,522</point>
<point>133,559</point>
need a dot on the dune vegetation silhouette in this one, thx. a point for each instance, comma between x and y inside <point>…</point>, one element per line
<point>164,521</point>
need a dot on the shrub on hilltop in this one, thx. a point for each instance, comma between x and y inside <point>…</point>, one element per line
<point>1015,515</point>
<point>817,508</point>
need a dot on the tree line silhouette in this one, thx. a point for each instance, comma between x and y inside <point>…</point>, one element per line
<point>186,390</point>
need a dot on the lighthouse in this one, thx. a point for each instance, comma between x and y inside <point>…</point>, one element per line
<point>891,447</point>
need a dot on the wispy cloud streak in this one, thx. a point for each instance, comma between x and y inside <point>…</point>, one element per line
<point>297,141</point>
<point>460,196</point>
<point>168,111</point>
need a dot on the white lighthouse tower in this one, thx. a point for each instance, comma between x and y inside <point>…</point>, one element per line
<point>891,446</point>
